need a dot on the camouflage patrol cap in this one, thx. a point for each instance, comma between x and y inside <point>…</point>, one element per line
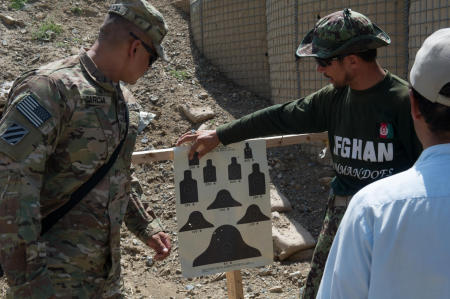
<point>342,32</point>
<point>146,17</point>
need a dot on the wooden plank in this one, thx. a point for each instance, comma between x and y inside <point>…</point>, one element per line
<point>167,153</point>
<point>234,285</point>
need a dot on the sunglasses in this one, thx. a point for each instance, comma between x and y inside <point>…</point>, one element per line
<point>324,62</point>
<point>153,55</point>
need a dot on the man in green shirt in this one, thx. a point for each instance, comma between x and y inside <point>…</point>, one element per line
<point>365,110</point>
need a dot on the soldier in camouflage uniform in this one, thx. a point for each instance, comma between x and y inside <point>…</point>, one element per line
<point>365,110</point>
<point>62,123</point>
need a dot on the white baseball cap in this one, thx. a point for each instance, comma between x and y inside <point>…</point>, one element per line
<point>431,69</point>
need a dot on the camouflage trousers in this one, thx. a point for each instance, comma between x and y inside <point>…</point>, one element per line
<point>332,219</point>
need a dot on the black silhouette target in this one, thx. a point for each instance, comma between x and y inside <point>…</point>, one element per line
<point>223,200</point>
<point>248,151</point>
<point>188,188</point>
<point>226,245</point>
<point>256,181</point>
<point>234,170</point>
<point>196,221</point>
<point>209,172</point>
<point>194,160</point>
<point>253,214</point>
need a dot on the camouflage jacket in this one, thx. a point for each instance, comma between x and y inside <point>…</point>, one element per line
<point>63,121</point>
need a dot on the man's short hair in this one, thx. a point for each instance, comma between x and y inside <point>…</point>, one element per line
<point>437,116</point>
<point>367,56</point>
<point>116,29</point>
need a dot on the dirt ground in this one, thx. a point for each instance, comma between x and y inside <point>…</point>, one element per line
<point>188,78</point>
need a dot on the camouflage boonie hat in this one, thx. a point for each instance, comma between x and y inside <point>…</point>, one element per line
<point>342,32</point>
<point>146,17</point>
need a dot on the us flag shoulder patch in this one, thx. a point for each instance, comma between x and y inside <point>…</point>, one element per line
<point>14,134</point>
<point>33,111</point>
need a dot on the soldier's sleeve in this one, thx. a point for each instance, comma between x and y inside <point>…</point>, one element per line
<point>28,133</point>
<point>138,221</point>
<point>305,115</point>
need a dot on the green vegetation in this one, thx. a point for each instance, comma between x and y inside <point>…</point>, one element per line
<point>76,11</point>
<point>18,4</point>
<point>180,74</point>
<point>47,31</point>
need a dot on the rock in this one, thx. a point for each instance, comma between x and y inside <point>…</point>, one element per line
<point>265,272</point>
<point>165,272</point>
<point>149,261</point>
<point>4,43</point>
<point>218,277</point>
<point>11,21</point>
<point>276,289</point>
<point>278,201</point>
<point>295,274</point>
<point>302,256</point>
<point>144,119</point>
<point>205,126</point>
<point>198,114</point>
<point>203,96</point>
<point>325,180</point>
<point>189,287</point>
<point>290,237</point>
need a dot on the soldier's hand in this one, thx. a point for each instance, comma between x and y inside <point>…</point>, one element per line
<point>160,242</point>
<point>204,141</point>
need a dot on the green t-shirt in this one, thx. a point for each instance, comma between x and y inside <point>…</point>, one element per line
<point>371,132</point>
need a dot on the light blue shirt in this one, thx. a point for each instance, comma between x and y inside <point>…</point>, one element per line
<point>394,240</point>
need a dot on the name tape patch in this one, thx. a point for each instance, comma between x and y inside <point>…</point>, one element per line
<point>33,111</point>
<point>14,134</point>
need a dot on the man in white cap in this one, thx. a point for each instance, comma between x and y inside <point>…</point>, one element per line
<point>393,240</point>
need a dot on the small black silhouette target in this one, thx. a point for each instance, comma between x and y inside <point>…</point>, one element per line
<point>253,214</point>
<point>223,200</point>
<point>226,245</point>
<point>196,221</point>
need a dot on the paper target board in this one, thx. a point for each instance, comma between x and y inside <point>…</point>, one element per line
<point>223,209</point>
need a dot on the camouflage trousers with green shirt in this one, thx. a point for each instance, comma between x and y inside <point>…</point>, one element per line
<point>332,219</point>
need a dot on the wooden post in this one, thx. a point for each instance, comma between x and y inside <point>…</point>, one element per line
<point>167,153</point>
<point>234,285</point>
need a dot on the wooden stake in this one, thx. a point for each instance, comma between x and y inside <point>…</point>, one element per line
<point>234,285</point>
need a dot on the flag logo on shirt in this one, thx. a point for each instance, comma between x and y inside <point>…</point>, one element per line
<point>386,131</point>
<point>14,134</point>
<point>33,111</point>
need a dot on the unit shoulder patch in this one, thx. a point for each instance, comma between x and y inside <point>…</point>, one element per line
<point>33,111</point>
<point>14,133</point>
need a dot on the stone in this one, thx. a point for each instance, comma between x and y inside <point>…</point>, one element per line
<point>325,180</point>
<point>276,289</point>
<point>205,126</point>
<point>11,21</point>
<point>278,201</point>
<point>203,96</point>
<point>198,114</point>
<point>301,256</point>
<point>289,237</point>
<point>144,120</point>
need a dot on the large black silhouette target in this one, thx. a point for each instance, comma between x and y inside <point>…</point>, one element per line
<point>226,245</point>
<point>256,181</point>
<point>223,200</point>
<point>188,188</point>
<point>253,214</point>
<point>196,221</point>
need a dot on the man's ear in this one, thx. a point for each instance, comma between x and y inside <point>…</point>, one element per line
<point>415,112</point>
<point>133,48</point>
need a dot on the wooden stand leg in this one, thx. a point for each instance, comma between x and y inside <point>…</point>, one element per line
<point>234,285</point>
